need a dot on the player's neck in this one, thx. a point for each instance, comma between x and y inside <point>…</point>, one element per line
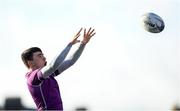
<point>33,68</point>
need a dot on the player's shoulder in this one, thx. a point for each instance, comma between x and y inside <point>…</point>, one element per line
<point>33,77</point>
<point>32,73</point>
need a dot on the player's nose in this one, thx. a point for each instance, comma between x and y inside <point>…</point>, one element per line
<point>44,58</point>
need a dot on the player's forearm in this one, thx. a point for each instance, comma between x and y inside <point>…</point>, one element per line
<point>72,59</point>
<point>50,68</point>
<point>60,58</point>
<point>77,53</point>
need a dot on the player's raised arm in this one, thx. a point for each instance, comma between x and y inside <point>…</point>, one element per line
<point>53,66</point>
<point>72,59</point>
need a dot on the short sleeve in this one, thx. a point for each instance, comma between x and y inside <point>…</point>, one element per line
<point>35,77</point>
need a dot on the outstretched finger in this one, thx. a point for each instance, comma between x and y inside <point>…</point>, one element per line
<point>92,34</point>
<point>79,31</point>
<point>78,34</point>
<point>89,30</point>
<point>84,32</point>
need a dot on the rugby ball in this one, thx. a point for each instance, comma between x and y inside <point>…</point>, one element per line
<point>152,22</point>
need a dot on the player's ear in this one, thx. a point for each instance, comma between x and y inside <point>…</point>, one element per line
<point>30,63</point>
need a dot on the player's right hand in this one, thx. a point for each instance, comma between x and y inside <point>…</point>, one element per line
<point>75,39</point>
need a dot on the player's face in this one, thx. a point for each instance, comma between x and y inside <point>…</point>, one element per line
<point>39,60</point>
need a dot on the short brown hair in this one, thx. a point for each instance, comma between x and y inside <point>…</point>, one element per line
<point>28,55</point>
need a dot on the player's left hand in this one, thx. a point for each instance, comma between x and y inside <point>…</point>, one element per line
<point>87,35</point>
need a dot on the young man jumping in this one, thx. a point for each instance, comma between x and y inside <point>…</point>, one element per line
<point>41,83</point>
